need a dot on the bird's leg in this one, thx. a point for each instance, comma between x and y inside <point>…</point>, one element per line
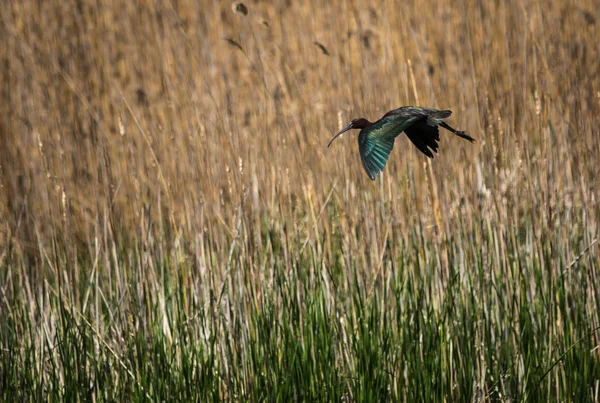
<point>457,132</point>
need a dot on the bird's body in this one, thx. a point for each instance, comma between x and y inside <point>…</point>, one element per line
<point>376,140</point>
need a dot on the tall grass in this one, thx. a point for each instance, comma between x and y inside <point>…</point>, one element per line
<point>173,227</point>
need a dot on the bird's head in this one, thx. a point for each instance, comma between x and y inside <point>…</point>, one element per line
<point>359,123</point>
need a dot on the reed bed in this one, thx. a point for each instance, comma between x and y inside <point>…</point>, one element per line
<point>174,228</point>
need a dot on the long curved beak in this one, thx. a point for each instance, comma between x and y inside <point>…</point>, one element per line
<point>345,129</point>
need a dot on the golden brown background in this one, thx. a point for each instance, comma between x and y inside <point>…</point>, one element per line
<point>187,118</point>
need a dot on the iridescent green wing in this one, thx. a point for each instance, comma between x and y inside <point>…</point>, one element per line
<point>375,143</point>
<point>374,153</point>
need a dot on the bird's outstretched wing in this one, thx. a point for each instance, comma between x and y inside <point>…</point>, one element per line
<point>376,142</point>
<point>424,137</point>
<point>374,153</point>
<point>422,128</point>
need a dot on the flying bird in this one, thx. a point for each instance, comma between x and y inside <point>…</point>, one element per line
<point>376,140</point>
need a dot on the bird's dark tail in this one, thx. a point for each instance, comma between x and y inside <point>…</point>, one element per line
<point>457,132</point>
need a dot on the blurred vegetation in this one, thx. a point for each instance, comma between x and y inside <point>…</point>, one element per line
<point>174,228</point>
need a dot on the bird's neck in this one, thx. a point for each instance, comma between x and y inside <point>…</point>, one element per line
<point>362,123</point>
